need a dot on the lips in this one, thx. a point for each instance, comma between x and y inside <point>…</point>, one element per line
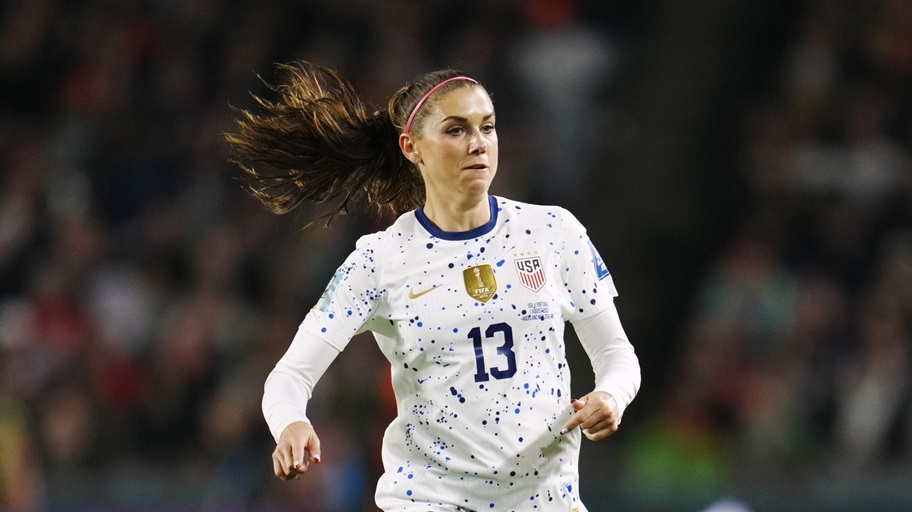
<point>476,167</point>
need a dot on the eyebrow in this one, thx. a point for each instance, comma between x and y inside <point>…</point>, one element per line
<point>464,119</point>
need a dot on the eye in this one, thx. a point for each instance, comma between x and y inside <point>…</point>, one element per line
<point>488,128</point>
<point>455,130</point>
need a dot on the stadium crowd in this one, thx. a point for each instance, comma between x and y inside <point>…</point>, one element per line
<point>144,297</point>
<point>794,368</point>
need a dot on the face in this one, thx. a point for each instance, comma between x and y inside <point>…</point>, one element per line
<point>456,150</point>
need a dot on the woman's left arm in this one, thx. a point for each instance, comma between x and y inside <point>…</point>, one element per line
<point>617,375</point>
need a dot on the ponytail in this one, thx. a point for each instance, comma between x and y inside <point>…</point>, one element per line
<point>317,143</point>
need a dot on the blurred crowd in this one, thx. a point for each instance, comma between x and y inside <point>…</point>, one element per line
<point>144,296</point>
<point>796,360</point>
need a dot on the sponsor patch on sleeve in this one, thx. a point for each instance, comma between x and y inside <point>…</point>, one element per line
<point>601,271</point>
<point>326,298</point>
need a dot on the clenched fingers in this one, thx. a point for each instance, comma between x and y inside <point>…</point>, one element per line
<point>597,415</point>
<point>297,447</point>
<point>286,465</point>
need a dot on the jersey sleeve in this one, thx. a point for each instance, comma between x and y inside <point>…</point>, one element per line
<point>349,301</point>
<point>290,385</point>
<point>586,278</point>
<point>346,306</point>
<point>614,362</point>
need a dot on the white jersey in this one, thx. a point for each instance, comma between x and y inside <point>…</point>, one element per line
<point>473,326</point>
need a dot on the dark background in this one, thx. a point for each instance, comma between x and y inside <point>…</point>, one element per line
<point>743,168</point>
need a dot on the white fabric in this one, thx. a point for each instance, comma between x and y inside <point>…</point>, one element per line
<point>616,367</point>
<point>290,384</point>
<point>482,383</point>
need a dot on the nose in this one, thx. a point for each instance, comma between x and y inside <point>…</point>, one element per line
<point>477,143</point>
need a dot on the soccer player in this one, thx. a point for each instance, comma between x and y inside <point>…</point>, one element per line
<point>467,295</point>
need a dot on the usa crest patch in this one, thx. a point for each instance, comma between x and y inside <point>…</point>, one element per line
<point>531,272</point>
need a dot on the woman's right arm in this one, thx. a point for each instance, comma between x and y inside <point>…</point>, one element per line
<point>347,304</point>
<point>287,390</point>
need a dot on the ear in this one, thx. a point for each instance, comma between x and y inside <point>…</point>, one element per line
<point>409,148</point>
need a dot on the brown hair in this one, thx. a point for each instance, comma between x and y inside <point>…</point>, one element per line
<point>318,143</point>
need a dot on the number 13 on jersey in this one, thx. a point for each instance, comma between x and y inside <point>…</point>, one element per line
<point>499,332</point>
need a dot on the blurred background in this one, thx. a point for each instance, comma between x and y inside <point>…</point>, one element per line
<point>744,168</point>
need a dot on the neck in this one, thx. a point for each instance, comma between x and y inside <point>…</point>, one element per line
<point>458,217</point>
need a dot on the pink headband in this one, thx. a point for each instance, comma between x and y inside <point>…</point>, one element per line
<point>408,124</point>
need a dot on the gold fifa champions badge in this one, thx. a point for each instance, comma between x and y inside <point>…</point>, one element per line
<point>480,282</point>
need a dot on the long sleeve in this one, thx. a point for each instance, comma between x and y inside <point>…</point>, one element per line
<point>290,384</point>
<point>616,367</point>
<point>346,305</point>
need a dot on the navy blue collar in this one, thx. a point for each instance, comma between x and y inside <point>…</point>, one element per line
<point>459,235</point>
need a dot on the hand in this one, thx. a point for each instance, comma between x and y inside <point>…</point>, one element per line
<point>297,447</point>
<point>597,413</point>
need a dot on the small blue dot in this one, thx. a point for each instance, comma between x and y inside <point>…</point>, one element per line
<point>323,329</point>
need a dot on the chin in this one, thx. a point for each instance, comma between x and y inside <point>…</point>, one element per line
<point>480,189</point>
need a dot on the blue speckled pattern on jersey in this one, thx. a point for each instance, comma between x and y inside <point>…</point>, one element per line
<point>482,387</point>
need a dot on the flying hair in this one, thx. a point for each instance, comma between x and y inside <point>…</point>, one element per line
<point>318,143</point>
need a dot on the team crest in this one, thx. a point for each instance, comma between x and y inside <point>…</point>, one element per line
<point>531,273</point>
<point>480,282</point>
